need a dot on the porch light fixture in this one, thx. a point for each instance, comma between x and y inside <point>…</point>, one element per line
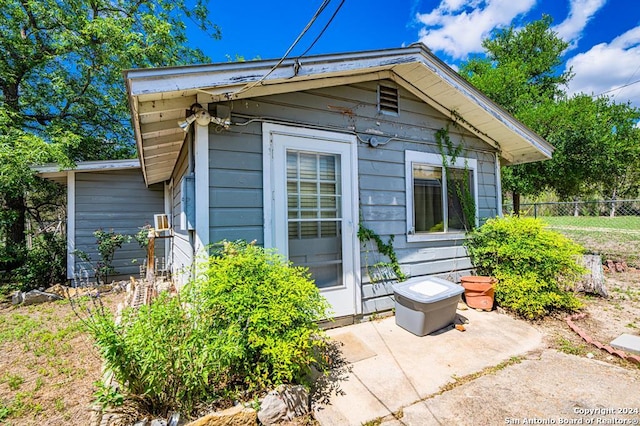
<point>202,117</point>
<point>184,125</point>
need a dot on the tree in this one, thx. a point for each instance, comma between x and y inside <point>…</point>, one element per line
<point>619,152</point>
<point>519,71</point>
<point>596,139</point>
<point>62,96</point>
<point>597,148</point>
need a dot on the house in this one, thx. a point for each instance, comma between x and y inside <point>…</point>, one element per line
<point>298,154</point>
<point>112,196</point>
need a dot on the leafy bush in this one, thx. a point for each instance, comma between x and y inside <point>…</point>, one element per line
<point>535,267</point>
<point>45,263</point>
<point>168,360</point>
<point>267,308</point>
<point>107,243</point>
<point>246,324</point>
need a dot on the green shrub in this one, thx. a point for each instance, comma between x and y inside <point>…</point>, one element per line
<point>106,243</point>
<point>246,324</point>
<point>536,268</point>
<point>268,308</point>
<point>45,263</point>
<point>161,355</point>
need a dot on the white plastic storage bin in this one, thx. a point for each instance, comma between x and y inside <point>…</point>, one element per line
<point>426,304</point>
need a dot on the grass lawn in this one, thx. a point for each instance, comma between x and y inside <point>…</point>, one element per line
<point>615,238</point>
<point>630,223</point>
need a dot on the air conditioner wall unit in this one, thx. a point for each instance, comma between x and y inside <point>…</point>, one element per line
<point>161,222</point>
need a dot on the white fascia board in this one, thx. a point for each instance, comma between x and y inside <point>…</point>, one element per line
<point>238,74</point>
<point>448,75</point>
<point>87,166</point>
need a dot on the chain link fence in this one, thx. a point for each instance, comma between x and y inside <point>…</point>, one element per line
<point>610,228</point>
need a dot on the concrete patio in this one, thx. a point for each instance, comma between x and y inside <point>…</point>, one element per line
<point>393,368</point>
<point>398,377</point>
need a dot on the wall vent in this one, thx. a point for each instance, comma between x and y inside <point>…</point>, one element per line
<point>388,100</point>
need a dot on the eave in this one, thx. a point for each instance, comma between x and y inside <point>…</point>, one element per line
<point>159,98</point>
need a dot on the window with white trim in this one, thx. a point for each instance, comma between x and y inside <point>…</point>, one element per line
<point>434,204</point>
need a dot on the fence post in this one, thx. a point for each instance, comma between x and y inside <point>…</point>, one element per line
<point>535,210</point>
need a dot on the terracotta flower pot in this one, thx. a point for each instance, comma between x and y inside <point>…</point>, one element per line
<point>478,291</point>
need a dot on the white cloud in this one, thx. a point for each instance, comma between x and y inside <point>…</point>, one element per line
<point>580,12</point>
<point>608,66</point>
<point>457,27</point>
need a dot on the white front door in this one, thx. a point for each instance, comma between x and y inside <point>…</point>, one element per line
<point>310,207</point>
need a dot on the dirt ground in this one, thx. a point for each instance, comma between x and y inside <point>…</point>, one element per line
<point>48,365</point>
<point>607,319</point>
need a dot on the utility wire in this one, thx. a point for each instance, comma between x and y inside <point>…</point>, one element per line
<point>335,12</point>
<point>619,87</point>
<point>630,77</point>
<point>321,9</point>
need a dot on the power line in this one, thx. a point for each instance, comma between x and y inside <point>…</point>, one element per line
<point>335,12</point>
<point>619,87</point>
<point>630,77</point>
<point>315,16</point>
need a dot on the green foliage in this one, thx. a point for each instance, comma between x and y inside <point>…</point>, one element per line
<point>46,262</point>
<point>142,236</point>
<point>246,324</point>
<point>365,234</point>
<point>14,381</point>
<point>520,73</point>
<point>107,243</point>
<point>525,61</point>
<point>535,267</point>
<point>63,99</point>
<point>461,188</point>
<point>264,308</point>
<point>596,140</point>
<point>107,396</point>
<point>159,354</point>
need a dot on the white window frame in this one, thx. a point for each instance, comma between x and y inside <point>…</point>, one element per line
<point>435,160</point>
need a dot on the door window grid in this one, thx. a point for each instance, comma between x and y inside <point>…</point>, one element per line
<point>313,194</point>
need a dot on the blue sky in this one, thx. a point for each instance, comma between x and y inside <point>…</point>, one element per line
<point>604,34</point>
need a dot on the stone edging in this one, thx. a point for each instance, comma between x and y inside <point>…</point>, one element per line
<point>622,354</point>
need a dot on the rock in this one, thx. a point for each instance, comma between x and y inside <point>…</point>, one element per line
<point>104,288</point>
<point>34,297</point>
<point>17,298</point>
<point>284,403</point>
<point>610,265</point>
<point>158,422</point>
<point>174,420</point>
<point>590,355</point>
<point>273,409</point>
<point>234,416</point>
<point>58,289</point>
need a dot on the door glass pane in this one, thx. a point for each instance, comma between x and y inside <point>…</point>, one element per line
<point>427,198</point>
<point>314,218</point>
<point>308,166</point>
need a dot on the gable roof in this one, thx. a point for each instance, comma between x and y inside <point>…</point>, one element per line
<point>159,98</point>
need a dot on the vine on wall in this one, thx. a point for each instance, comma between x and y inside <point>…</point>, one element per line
<point>365,234</point>
<point>462,188</point>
